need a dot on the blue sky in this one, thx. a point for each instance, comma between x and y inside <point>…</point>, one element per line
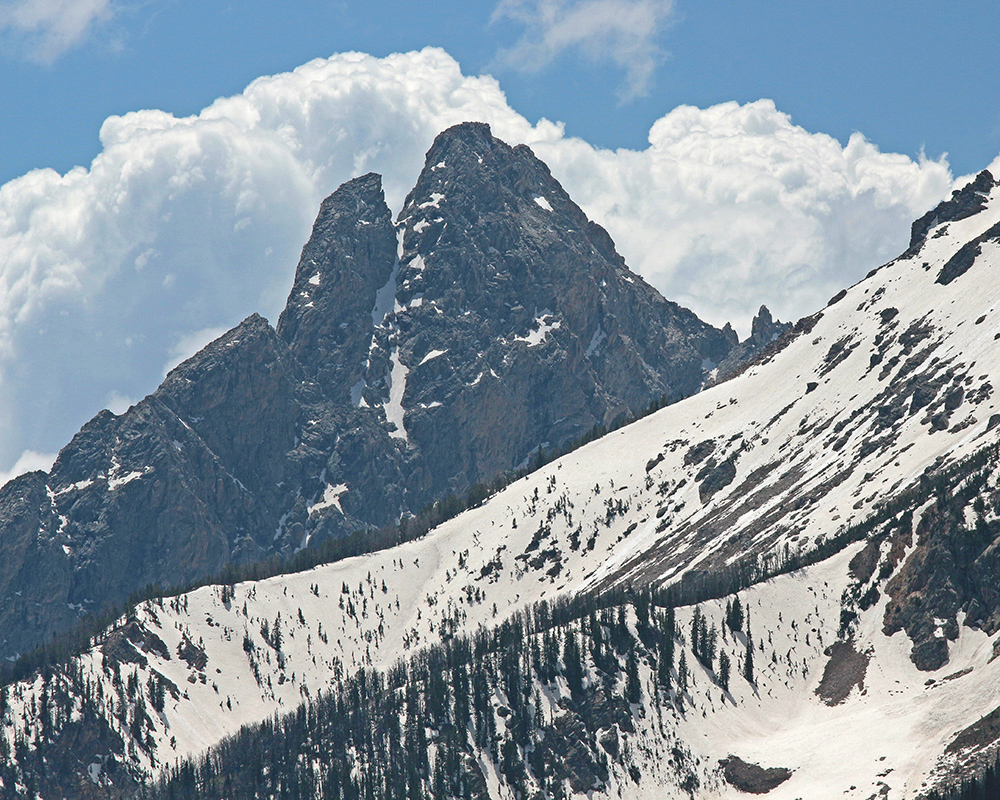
<point>907,75</point>
<point>156,189</point>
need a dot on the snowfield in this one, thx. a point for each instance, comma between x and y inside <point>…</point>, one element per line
<point>893,378</point>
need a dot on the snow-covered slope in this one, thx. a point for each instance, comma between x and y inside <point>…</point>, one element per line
<point>877,724</point>
<point>890,382</point>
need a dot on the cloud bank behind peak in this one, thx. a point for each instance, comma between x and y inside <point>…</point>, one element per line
<point>184,225</point>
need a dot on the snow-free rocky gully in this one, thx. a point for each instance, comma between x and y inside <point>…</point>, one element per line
<point>783,582</point>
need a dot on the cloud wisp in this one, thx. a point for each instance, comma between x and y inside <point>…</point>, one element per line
<point>45,29</point>
<point>624,32</point>
<point>29,461</point>
<point>183,226</point>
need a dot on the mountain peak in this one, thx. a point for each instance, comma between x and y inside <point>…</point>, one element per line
<point>469,142</point>
<point>327,321</point>
<point>502,301</point>
<point>466,161</point>
<point>764,329</point>
<point>469,133</point>
<point>506,291</point>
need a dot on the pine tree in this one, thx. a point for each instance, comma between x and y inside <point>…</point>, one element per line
<point>642,604</point>
<point>633,686</point>
<point>276,633</point>
<point>734,615</point>
<point>724,668</point>
<point>436,697</point>
<point>735,618</point>
<point>156,692</point>
<point>709,640</point>
<point>573,662</point>
<point>748,658</point>
<point>460,689</point>
<point>696,620</point>
<point>550,656</point>
<point>620,635</point>
<point>416,743</point>
<point>665,661</point>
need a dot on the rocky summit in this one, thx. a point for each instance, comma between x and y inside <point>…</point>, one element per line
<point>413,360</point>
<point>506,322</point>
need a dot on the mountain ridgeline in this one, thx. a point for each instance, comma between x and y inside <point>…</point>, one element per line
<point>413,360</point>
<point>785,584</point>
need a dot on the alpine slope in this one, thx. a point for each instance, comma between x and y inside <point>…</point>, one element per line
<point>850,470</point>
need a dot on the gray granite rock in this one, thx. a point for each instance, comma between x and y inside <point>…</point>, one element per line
<point>412,360</point>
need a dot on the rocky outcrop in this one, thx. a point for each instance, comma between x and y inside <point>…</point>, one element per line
<point>411,361</point>
<point>764,331</point>
<point>952,569</point>
<point>959,264</point>
<point>963,203</point>
<point>752,778</point>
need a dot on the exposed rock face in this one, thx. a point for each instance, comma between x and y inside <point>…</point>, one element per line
<point>519,323</point>
<point>959,264</point>
<point>752,778</point>
<point>953,568</point>
<point>180,485</point>
<point>34,567</point>
<point>350,256</point>
<point>963,203</point>
<point>845,670</point>
<point>412,360</point>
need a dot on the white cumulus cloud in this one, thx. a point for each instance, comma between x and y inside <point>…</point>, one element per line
<point>733,206</point>
<point>28,461</point>
<point>623,32</point>
<point>181,227</point>
<point>48,28</point>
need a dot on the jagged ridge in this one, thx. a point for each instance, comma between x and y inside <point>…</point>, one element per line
<point>411,361</point>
